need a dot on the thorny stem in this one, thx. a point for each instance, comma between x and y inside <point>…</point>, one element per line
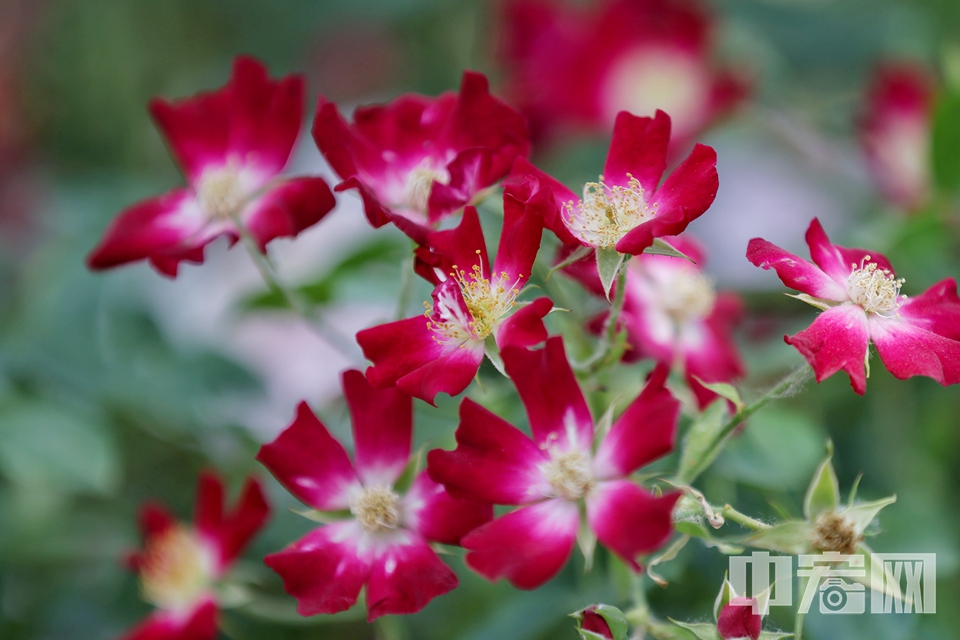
<point>296,304</point>
<point>792,380</point>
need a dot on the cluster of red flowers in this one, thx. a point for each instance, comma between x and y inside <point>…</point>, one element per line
<point>414,163</point>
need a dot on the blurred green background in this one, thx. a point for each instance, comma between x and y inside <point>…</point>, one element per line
<point>100,409</point>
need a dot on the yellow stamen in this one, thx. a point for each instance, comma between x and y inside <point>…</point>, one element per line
<point>607,213</point>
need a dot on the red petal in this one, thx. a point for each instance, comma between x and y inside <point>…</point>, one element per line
<point>838,262</point>
<point>310,463</point>
<point>322,570</point>
<point>546,195</point>
<point>737,620</point>
<point>683,197</point>
<point>198,624</point>
<point>382,429</point>
<point>628,520</point>
<point>638,149</point>
<point>494,461</point>
<point>521,235</point>
<point>596,623</point>
<point>154,519</point>
<point>439,517</point>
<point>230,532</point>
<point>836,340</point>
<point>937,309</point>
<point>467,171</point>
<point>909,350</point>
<point>288,209</point>
<point>525,327</point>
<point>167,228</point>
<point>794,271</point>
<point>645,431</point>
<point>451,373</point>
<point>527,546</point>
<point>462,247</point>
<point>551,395</point>
<point>405,578</point>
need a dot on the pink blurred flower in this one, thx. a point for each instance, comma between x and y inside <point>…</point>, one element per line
<point>737,620</point>
<point>232,145</point>
<point>384,544</point>
<point>578,67</point>
<point>628,207</point>
<point>442,349</point>
<point>895,132</point>
<point>553,475</point>
<point>672,313</point>
<point>417,160</point>
<point>861,301</point>
<point>180,565</point>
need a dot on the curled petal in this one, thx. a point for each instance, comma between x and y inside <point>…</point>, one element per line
<point>525,328</point>
<point>555,406</point>
<point>520,236</point>
<point>937,309</point>
<point>909,350</point>
<point>628,520</point>
<point>494,461</point>
<point>526,182</point>
<point>437,516</point>
<point>382,422</point>
<point>467,171</point>
<point>288,209</point>
<point>322,570</point>
<point>794,271</point>
<point>310,463</point>
<point>527,546</point>
<point>404,578</point>
<point>645,431</point>
<point>836,261</point>
<point>198,624</point>
<point>836,340</point>
<point>451,373</point>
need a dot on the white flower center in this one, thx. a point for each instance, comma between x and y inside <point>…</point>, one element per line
<point>687,295</point>
<point>607,213</point>
<point>569,474</point>
<point>220,191</point>
<point>174,568</point>
<point>875,289</point>
<point>420,182</point>
<point>487,302</point>
<point>376,508</point>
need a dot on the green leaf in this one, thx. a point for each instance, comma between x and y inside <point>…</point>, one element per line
<point>791,537</point>
<point>663,248</point>
<point>695,457</point>
<point>946,140</point>
<point>609,262</point>
<point>703,630</point>
<point>823,494</point>
<point>44,446</point>
<point>493,353</point>
<point>724,390</point>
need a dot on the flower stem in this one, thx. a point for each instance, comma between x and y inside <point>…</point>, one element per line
<point>784,387</point>
<point>293,301</point>
<point>609,349</point>
<point>732,514</point>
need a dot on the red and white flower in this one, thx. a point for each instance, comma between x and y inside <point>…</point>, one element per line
<point>554,474</point>
<point>417,160</point>
<point>442,349</point>
<point>232,145</point>
<point>895,132</point>
<point>573,67</point>
<point>628,207</point>
<point>672,313</point>
<point>383,535</point>
<point>180,566</point>
<point>861,301</point>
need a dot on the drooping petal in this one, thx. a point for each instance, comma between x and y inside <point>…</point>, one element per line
<point>937,309</point>
<point>527,546</point>
<point>230,531</point>
<point>323,570</point>
<point>167,228</point>
<point>794,271</point>
<point>494,461</point>
<point>310,463</point>
<point>527,183</point>
<point>628,520</point>
<point>439,517</point>
<point>838,262</point>
<point>288,209</point>
<point>683,197</point>
<point>558,414</point>
<point>525,328</point>
<point>836,340</point>
<point>638,149</point>
<point>645,431</point>
<point>382,422</point>
<point>737,620</point>
<point>198,624</point>
<point>909,350</point>
<point>467,170</point>
<point>521,235</point>
<point>404,578</point>
<point>463,247</point>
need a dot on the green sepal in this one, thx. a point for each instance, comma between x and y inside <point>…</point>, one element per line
<point>578,254</point>
<point>609,262</point>
<point>663,248</point>
<point>493,353</point>
<point>724,390</point>
<point>611,615</point>
<point>723,598</point>
<point>791,537</point>
<point>823,494</point>
<point>863,514</point>
<point>702,630</point>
